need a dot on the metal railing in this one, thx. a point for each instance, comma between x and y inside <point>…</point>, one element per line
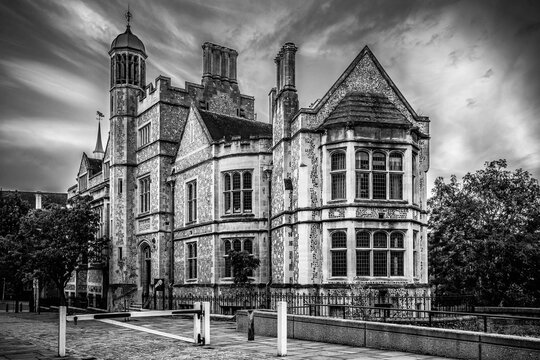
<point>530,326</point>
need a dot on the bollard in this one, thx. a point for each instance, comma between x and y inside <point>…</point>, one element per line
<point>62,331</point>
<point>206,322</point>
<point>197,324</point>
<point>282,328</point>
<point>251,326</point>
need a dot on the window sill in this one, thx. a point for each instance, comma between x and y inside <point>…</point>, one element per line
<point>237,215</point>
<point>337,201</point>
<point>385,201</point>
<point>192,281</point>
<point>190,223</point>
<point>338,278</point>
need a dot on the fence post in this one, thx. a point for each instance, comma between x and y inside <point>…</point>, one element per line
<point>197,323</point>
<point>485,323</point>
<point>62,331</point>
<point>206,322</point>
<point>429,314</point>
<point>282,328</point>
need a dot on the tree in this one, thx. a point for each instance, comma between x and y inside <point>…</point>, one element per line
<point>243,264</point>
<point>12,210</point>
<point>58,239</point>
<point>484,236</point>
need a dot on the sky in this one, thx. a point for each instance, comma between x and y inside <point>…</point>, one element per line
<point>471,66</point>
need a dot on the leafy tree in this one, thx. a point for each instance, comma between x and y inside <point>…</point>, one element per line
<point>12,210</point>
<point>56,240</point>
<point>243,264</point>
<point>485,236</point>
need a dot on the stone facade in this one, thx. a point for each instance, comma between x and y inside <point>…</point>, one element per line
<point>188,173</point>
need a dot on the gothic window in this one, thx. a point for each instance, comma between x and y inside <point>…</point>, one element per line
<point>362,175</point>
<point>191,260</point>
<point>339,253</point>
<point>377,256</point>
<point>144,135</point>
<point>337,174</point>
<point>238,192</point>
<point>144,194</point>
<point>240,244</point>
<point>191,190</point>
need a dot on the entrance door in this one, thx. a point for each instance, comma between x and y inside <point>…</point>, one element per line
<point>147,273</point>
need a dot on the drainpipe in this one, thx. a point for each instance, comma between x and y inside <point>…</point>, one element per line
<point>171,247</point>
<point>269,283</point>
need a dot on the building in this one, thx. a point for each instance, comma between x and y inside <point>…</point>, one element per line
<point>325,196</point>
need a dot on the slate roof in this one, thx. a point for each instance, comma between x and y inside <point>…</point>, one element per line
<point>366,108</point>
<point>223,126</point>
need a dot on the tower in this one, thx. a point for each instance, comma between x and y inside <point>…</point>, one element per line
<point>128,78</point>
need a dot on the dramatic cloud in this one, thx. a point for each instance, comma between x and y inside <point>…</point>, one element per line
<point>471,66</point>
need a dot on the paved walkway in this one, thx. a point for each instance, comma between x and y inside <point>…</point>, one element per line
<point>31,336</point>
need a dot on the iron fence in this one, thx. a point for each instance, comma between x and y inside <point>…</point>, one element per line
<point>297,303</point>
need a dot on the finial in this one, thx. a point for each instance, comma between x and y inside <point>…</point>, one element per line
<point>99,115</point>
<point>129,15</point>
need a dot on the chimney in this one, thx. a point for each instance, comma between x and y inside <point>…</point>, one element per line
<point>288,77</point>
<point>284,98</point>
<point>219,63</point>
<point>38,200</point>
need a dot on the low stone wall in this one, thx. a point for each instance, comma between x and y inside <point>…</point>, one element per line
<point>414,339</point>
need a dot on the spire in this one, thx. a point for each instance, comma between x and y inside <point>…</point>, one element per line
<point>98,152</point>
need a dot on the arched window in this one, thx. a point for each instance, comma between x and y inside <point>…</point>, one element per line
<point>396,254</point>
<point>363,254</point>
<point>227,193</point>
<point>384,258</point>
<point>339,253</point>
<point>380,257</point>
<point>338,175</point>
<point>362,175</point>
<point>236,245</point>
<point>380,179</point>
<point>396,175</point>
<point>238,192</point>
<point>246,193</point>
<point>379,175</point>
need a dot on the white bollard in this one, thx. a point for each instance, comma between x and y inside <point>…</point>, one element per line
<point>196,323</point>
<point>62,331</point>
<point>206,322</point>
<point>282,328</point>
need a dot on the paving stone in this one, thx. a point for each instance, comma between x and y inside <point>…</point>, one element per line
<point>36,336</point>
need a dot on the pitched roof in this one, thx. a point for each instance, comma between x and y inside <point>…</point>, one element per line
<point>366,108</point>
<point>224,126</point>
